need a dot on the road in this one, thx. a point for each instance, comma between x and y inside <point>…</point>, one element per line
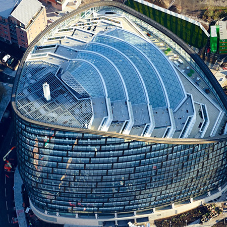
<point>6,78</point>
<point>7,140</point>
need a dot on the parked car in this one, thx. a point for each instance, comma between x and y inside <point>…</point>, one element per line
<point>176,63</point>
<point>10,61</point>
<point>180,60</point>
<point>57,13</point>
<point>13,64</point>
<point>51,20</point>
<point>5,58</point>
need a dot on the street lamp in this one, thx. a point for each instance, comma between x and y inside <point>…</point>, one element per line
<point>170,224</point>
<point>186,222</point>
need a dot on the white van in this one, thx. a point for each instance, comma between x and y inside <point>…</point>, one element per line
<point>176,63</point>
<point>6,58</point>
<point>180,60</point>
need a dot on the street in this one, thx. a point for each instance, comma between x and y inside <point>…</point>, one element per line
<point>7,140</point>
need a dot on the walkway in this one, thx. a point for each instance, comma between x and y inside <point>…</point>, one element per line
<point>6,98</point>
<point>18,199</point>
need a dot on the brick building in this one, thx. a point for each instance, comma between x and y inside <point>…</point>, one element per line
<point>58,4</point>
<point>21,21</point>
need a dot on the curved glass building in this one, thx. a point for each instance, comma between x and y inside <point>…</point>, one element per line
<point>116,116</point>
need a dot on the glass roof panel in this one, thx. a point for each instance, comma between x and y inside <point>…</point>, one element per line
<point>131,78</point>
<point>110,75</point>
<point>150,77</point>
<point>170,78</point>
<point>88,77</point>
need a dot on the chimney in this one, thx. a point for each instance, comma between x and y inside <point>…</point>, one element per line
<point>46,91</point>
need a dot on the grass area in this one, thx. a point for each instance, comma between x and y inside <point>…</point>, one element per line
<point>190,33</point>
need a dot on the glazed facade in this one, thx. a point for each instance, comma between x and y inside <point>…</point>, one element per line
<point>70,172</point>
<point>80,172</point>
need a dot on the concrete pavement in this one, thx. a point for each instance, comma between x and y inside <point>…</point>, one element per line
<point>19,199</point>
<point>6,190</point>
<point>6,98</point>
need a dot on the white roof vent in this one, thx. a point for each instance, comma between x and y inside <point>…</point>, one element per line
<point>46,91</point>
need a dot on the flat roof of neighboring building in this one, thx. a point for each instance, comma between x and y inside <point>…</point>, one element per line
<point>7,7</point>
<point>213,32</point>
<point>223,29</point>
<point>26,10</point>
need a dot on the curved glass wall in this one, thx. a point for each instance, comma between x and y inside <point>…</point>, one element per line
<point>127,70</point>
<point>91,82</point>
<point>150,77</point>
<point>70,172</point>
<point>172,83</point>
<point>115,87</point>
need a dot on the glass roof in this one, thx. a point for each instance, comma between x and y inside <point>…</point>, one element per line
<point>63,107</point>
<point>32,70</point>
<point>114,86</point>
<point>110,79</point>
<point>88,77</point>
<point>130,75</point>
<point>150,77</point>
<point>170,78</point>
<point>73,83</point>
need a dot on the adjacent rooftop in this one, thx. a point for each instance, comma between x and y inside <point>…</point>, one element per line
<point>7,7</point>
<point>26,10</point>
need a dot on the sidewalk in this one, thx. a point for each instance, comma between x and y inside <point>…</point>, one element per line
<point>19,200</point>
<point>6,98</point>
